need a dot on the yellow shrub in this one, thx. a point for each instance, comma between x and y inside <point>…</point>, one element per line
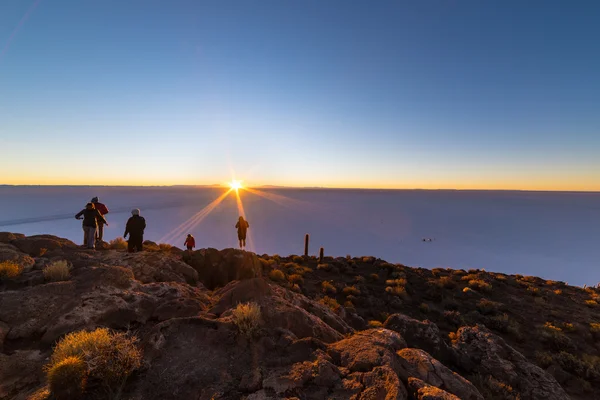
<point>247,317</point>
<point>328,287</point>
<point>591,303</point>
<point>57,271</point>
<point>9,269</point>
<point>396,282</point>
<point>277,275</point>
<point>110,357</point>
<point>351,290</point>
<point>480,285</point>
<point>295,278</point>
<point>331,303</point>
<point>67,379</point>
<point>595,327</point>
<point>375,324</point>
<point>399,291</point>
<point>324,267</point>
<point>118,244</point>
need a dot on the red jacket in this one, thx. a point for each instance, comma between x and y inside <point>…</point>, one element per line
<point>101,208</point>
<point>190,242</point>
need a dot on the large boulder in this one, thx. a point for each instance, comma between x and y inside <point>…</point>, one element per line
<point>38,245</point>
<point>152,266</point>
<point>418,364</point>
<point>9,252</point>
<point>419,334</point>
<point>382,383</point>
<point>478,350</point>
<point>368,349</point>
<point>218,268</point>
<point>7,237</point>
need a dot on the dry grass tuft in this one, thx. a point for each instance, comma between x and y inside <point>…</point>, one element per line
<point>9,270</point>
<point>375,324</point>
<point>591,303</point>
<point>396,282</point>
<point>399,291</point>
<point>277,275</point>
<point>67,378</point>
<point>324,267</point>
<point>118,244</point>
<point>351,290</point>
<point>480,284</point>
<point>247,317</point>
<point>57,271</point>
<point>328,288</point>
<point>331,303</point>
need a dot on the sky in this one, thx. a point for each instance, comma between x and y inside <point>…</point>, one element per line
<point>387,94</point>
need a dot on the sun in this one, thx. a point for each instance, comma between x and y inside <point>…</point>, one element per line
<point>235,184</point>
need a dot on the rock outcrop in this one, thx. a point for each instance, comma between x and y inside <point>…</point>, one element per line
<point>182,307</point>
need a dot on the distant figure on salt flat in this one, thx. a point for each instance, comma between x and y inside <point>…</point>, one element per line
<point>90,217</point>
<point>190,242</point>
<point>135,228</point>
<point>242,228</point>
<point>103,210</point>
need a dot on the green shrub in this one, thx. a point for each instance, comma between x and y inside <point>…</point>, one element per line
<point>118,244</point>
<point>9,269</point>
<point>328,287</point>
<point>277,275</point>
<point>57,271</point>
<point>110,357</point>
<point>247,317</point>
<point>67,379</point>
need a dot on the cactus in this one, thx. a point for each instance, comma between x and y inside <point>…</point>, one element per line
<point>306,239</point>
<point>68,378</point>
<point>321,251</point>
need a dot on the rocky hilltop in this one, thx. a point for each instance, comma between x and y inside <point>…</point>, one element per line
<point>234,325</point>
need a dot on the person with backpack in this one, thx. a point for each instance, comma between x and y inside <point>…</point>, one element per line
<point>103,210</point>
<point>135,229</point>
<point>190,242</point>
<point>90,217</point>
<point>242,229</point>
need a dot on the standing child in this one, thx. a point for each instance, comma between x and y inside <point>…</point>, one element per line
<point>190,242</point>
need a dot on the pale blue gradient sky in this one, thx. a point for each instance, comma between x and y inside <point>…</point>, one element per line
<point>429,94</point>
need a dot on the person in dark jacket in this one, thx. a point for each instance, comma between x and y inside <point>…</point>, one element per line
<point>135,228</point>
<point>103,210</point>
<point>242,228</point>
<point>90,217</point>
<point>190,242</point>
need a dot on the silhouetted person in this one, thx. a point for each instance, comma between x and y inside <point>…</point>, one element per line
<point>135,228</point>
<point>103,210</point>
<point>90,217</point>
<point>190,242</point>
<point>242,228</point>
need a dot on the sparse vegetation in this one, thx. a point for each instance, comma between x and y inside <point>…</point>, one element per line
<point>118,244</point>
<point>351,290</point>
<point>297,259</point>
<point>277,275</point>
<point>554,336</point>
<point>295,278</point>
<point>446,282</point>
<point>591,303</point>
<point>331,303</point>
<point>396,282</point>
<point>486,306</point>
<point>57,271</point>
<point>247,317</point>
<point>375,324</point>
<point>9,270</point>
<point>328,288</point>
<point>109,359</point>
<point>534,291</point>
<point>480,285</point>
<point>324,267</point>
<point>399,291</point>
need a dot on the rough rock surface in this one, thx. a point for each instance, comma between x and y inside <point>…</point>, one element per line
<point>218,268</point>
<point>40,244</point>
<point>420,390</point>
<point>417,363</point>
<point>9,252</point>
<point>419,334</point>
<point>481,351</point>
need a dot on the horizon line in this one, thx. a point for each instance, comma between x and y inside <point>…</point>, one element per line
<point>215,186</point>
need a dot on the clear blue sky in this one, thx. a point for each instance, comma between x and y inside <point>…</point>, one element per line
<point>465,94</point>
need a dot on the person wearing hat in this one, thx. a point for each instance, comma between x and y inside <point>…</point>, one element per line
<point>135,229</point>
<point>103,210</point>
<point>91,217</point>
